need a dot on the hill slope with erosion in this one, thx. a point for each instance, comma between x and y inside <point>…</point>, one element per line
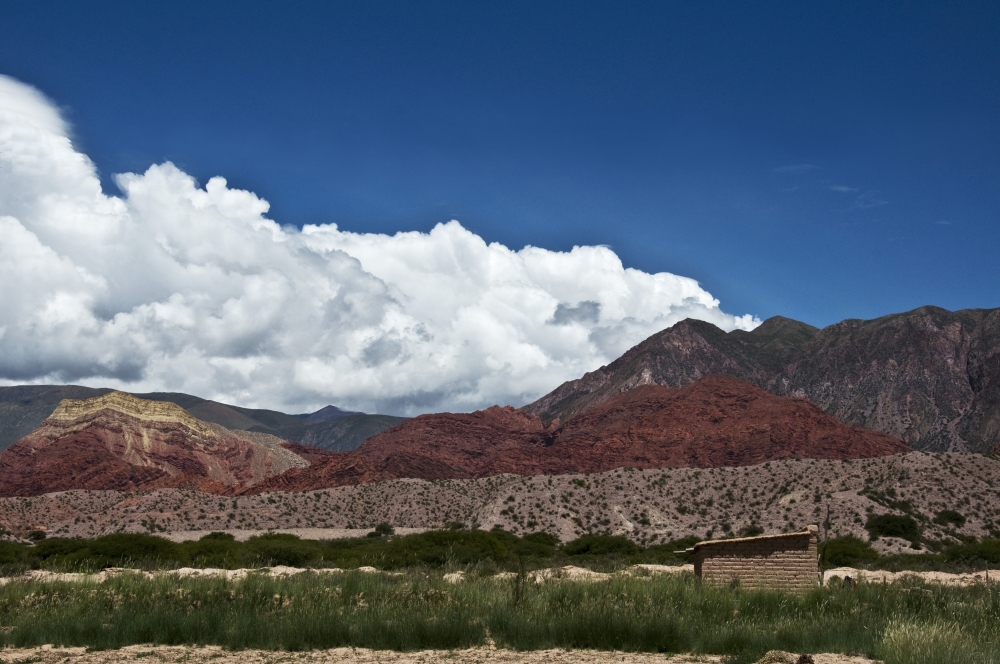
<point>930,377</point>
<point>645,505</point>
<point>24,407</point>
<point>116,441</point>
<point>718,421</point>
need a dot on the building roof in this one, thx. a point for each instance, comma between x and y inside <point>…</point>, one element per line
<point>810,530</point>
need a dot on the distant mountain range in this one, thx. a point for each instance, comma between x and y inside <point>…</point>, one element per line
<point>930,377</point>
<point>24,407</point>
<point>119,442</point>
<point>717,421</point>
<point>691,395</point>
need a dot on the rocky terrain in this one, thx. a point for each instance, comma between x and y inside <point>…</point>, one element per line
<point>119,442</point>
<point>718,421</point>
<point>648,506</point>
<point>930,377</point>
<point>23,407</point>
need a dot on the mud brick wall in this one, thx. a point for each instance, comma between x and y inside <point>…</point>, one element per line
<point>785,562</point>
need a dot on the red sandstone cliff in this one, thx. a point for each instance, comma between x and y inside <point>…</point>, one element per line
<point>718,421</point>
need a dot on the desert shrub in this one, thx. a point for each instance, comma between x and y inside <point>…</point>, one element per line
<point>916,562</point>
<point>536,545</point>
<point>987,551</point>
<point>666,554</point>
<point>949,517</point>
<point>847,551</point>
<point>439,547</point>
<point>751,531</point>
<point>282,549</point>
<point>382,530</point>
<point>893,525</point>
<point>116,550</point>
<point>216,550</point>
<point>601,545</point>
<point>13,555</point>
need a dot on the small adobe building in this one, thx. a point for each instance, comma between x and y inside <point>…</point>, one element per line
<point>783,562</point>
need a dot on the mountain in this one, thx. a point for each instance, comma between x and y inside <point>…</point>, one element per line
<point>23,407</point>
<point>119,442</point>
<point>930,377</point>
<point>717,421</point>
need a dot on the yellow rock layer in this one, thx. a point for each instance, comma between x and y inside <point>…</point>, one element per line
<point>70,410</point>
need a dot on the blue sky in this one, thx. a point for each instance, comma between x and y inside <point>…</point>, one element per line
<point>818,161</point>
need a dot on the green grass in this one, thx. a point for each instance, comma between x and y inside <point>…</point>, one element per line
<point>900,623</point>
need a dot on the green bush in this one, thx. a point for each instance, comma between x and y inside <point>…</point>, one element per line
<point>439,547</point>
<point>847,552</point>
<point>282,549</point>
<point>536,545</point>
<point>987,551</point>
<point>601,545</point>
<point>949,517</point>
<point>216,550</point>
<point>892,525</point>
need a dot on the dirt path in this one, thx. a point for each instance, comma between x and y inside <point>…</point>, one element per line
<point>215,655</point>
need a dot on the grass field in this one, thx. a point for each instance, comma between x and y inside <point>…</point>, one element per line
<point>899,623</point>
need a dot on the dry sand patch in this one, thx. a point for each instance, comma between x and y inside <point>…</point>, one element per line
<point>216,655</point>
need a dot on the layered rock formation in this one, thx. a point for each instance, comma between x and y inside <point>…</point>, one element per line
<point>930,377</point>
<point>718,421</point>
<point>119,442</point>
<point>24,407</point>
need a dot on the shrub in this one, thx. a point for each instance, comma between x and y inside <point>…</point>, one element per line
<point>282,549</point>
<point>216,550</point>
<point>601,545</point>
<point>847,552</point>
<point>536,545</point>
<point>438,547</point>
<point>892,525</point>
<point>383,530</point>
<point>949,517</point>
<point>987,551</point>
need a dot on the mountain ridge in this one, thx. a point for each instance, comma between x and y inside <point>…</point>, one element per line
<point>930,377</point>
<point>718,421</point>
<point>24,407</point>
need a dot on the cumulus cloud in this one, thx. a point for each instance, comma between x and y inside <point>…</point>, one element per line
<point>181,287</point>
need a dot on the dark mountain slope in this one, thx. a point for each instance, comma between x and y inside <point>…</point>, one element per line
<point>930,376</point>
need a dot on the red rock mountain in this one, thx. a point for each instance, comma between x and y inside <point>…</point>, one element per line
<point>930,377</point>
<point>717,421</point>
<point>119,442</point>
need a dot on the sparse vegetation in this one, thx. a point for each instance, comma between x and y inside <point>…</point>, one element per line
<point>900,623</point>
<point>433,549</point>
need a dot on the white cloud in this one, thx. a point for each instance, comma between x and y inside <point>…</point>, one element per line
<point>173,286</point>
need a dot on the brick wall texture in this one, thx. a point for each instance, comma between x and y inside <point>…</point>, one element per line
<point>786,562</point>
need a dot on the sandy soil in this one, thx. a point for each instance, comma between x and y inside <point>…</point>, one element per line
<point>192,655</point>
<point>568,572</point>
<point>649,506</point>
<point>880,576</point>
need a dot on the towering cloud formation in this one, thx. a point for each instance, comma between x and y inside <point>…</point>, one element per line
<point>173,286</point>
